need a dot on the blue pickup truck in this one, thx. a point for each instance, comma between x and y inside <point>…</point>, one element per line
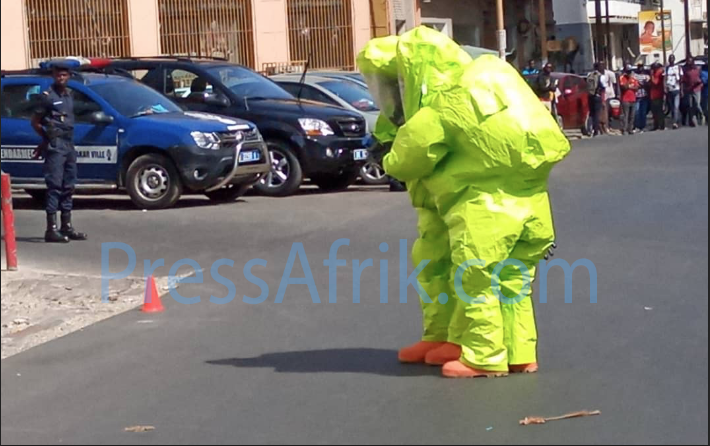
<point>129,137</point>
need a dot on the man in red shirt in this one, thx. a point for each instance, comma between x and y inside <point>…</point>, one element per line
<point>658,95</point>
<point>692,90</point>
<point>629,86</point>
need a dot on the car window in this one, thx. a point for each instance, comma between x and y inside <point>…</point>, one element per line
<point>248,84</point>
<point>308,93</point>
<point>580,83</point>
<point>353,94</point>
<point>290,87</point>
<point>20,101</point>
<point>84,106</point>
<point>133,99</point>
<point>312,94</point>
<point>151,77</point>
<point>185,83</point>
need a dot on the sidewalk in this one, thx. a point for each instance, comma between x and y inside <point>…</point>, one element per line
<point>38,307</point>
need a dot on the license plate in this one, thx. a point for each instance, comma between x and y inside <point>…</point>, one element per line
<point>360,154</point>
<point>249,157</point>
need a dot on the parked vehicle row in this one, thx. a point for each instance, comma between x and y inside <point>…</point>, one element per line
<point>157,127</point>
<point>129,136</point>
<point>345,90</point>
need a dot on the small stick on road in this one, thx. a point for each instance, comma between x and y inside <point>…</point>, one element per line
<point>539,420</point>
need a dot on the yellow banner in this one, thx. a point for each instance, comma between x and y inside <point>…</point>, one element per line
<point>651,36</point>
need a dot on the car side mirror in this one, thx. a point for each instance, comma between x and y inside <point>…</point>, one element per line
<point>216,100</point>
<point>101,118</point>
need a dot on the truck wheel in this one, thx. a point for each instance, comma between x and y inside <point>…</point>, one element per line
<point>229,193</point>
<point>335,183</point>
<point>285,175</point>
<point>153,183</point>
<point>39,195</point>
<point>373,174</point>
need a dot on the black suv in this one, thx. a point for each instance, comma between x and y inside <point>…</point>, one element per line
<point>306,139</point>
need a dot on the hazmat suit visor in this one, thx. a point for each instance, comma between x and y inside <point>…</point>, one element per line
<point>386,92</point>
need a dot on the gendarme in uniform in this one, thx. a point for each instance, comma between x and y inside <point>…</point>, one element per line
<point>55,112</point>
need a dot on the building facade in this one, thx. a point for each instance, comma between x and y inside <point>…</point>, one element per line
<point>267,35</point>
<point>577,19</point>
<point>474,23</point>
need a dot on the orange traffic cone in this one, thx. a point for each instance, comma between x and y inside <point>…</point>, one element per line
<point>152,303</point>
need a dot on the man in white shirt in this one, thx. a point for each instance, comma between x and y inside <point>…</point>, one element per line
<point>596,86</point>
<point>609,79</point>
<point>674,74</point>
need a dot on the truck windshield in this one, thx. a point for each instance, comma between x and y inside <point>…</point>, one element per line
<point>134,99</point>
<point>248,84</point>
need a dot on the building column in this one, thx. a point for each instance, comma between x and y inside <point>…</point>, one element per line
<point>15,45</point>
<point>144,25</point>
<point>271,32</point>
<point>362,28</point>
<point>382,17</point>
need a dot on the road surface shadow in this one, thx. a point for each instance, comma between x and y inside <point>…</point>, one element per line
<point>115,203</point>
<point>349,360</point>
<point>30,239</point>
<point>310,190</point>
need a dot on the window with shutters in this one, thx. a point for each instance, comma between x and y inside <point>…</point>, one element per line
<point>322,30</point>
<point>86,28</point>
<point>208,28</point>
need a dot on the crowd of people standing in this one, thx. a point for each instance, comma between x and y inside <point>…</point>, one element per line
<point>679,91</point>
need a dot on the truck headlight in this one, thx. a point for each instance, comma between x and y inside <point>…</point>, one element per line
<point>315,127</point>
<point>208,141</point>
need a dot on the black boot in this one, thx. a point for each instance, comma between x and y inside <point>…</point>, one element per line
<point>68,230</point>
<point>396,186</point>
<point>53,235</point>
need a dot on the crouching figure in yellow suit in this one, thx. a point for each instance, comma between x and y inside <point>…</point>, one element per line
<point>475,147</point>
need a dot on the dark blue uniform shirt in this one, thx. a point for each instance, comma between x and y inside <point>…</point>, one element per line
<point>57,113</point>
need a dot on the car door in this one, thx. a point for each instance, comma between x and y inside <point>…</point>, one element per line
<point>18,138</point>
<point>573,120</point>
<point>563,101</point>
<point>580,99</point>
<point>96,144</point>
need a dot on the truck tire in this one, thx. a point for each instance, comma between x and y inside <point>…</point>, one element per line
<point>285,176</point>
<point>39,195</point>
<point>153,182</point>
<point>229,193</point>
<point>335,183</point>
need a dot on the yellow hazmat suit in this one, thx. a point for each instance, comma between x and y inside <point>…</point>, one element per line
<point>475,147</point>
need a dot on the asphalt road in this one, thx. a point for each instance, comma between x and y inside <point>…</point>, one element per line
<point>315,373</point>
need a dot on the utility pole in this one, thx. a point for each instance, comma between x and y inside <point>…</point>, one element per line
<point>663,32</point>
<point>502,37</point>
<point>599,44</point>
<point>543,32</point>
<point>609,59</point>
<point>688,51</point>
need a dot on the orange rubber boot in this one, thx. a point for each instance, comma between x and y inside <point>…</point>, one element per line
<point>446,353</point>
<point>523,368</point>
<point>457,369</point>
<point>417,353</point>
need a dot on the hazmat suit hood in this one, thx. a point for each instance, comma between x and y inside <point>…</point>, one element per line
<point>475,118</point>
<point>378,65</point>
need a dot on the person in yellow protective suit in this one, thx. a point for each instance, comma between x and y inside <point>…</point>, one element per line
<point>475,147</point>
